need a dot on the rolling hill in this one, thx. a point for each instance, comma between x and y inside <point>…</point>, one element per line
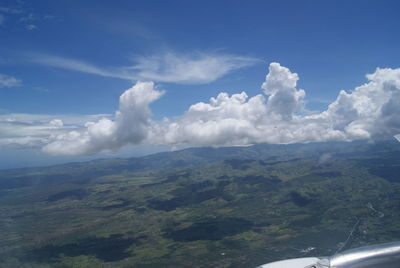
<point>202,207</point>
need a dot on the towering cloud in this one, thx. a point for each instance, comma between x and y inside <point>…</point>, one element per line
<point>370,111</point>
<point>280,84</point>
<point>239,120</point>
<point>130,125</point>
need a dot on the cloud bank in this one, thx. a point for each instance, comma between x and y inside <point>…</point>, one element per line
<point>277,115</point>
<point>22,131</point>
<point>369,112</point>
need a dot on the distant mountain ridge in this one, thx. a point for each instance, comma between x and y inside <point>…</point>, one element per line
<point>199,155</point>
<point>79,172</point>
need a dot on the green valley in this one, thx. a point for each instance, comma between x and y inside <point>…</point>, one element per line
<point>202,207</point>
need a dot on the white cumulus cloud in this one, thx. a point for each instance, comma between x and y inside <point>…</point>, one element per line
<point>130,125</point>
<point>276,115</point>
<point>368,112</point>
<point>284,98</point>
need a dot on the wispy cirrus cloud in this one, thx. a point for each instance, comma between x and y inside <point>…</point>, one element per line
<point>11,10</point>
<point>193,68</point>
<point>9,81</point>
<point>73,65</point>
<point>22,14</point>
<point>17,14</point>
<point>31,27</point>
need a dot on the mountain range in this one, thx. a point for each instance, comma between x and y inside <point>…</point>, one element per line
<point>202,207</point>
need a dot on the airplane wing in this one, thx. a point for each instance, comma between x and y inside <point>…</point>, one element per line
<point>382,255</point>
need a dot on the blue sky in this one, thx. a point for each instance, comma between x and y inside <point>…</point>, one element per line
<point>73,59</point>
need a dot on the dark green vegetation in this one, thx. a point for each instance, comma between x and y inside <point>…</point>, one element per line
<point>108,249</point>
<point>202,207</point>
